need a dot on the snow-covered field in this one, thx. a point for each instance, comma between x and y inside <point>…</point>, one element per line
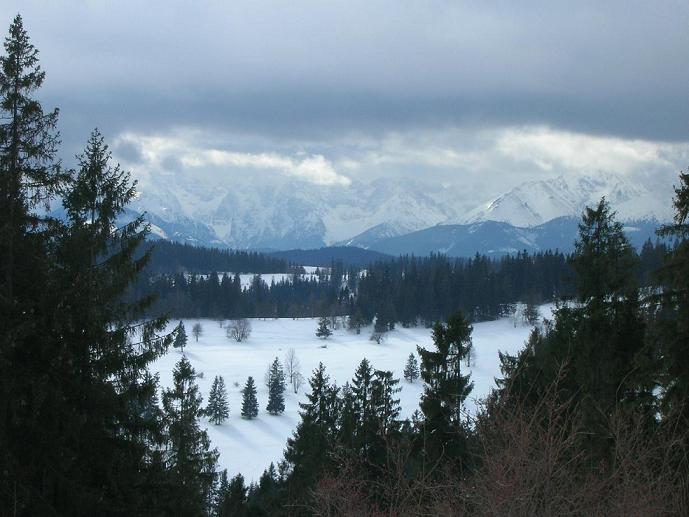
<point>248,446</point>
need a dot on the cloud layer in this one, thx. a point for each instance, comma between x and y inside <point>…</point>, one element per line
<point>482,94</point>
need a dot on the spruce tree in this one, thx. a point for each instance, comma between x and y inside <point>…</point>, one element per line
<point>362,391</point>
<point>31,403</point>
<point>249,400</point>
<point>188,454</point>
<point>276,389</point>
<point>180,337</point>
<point>411,369</point>
<point>386,408</point>
<point>446,387</point>
<point>323,331</point>
<point>218,409</point>
<point>107,347</point>
<point>674,321</point>
<point>308,451</point>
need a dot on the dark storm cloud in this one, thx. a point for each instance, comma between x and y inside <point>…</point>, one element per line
<point>317,70</point>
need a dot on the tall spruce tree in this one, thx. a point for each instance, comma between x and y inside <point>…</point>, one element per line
<point>385,407</point>
<point>249,400</point>
<point>446,387</point>
<point>188,455</point>
<point>104,347</point>
<point>308,452</point>
<point>276,388</point>
<point>30,456</point>
<point>674,319</point>
<point>218,409</point>
<point>362,390</point>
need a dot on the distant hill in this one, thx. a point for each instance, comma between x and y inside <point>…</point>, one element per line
<point>348,255</point>
<point>495,238</point>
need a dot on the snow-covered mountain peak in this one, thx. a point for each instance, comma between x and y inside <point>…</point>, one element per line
<point>535,202</point>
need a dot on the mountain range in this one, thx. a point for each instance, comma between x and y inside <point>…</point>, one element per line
<point>391,216</point>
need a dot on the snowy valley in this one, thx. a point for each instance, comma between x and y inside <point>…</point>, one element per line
<point>248,446</point>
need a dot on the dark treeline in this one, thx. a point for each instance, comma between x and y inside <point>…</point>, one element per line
<point>173,257</point>
<point>408,290</point>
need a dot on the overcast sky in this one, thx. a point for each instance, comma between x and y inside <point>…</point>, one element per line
<point>482,93</point>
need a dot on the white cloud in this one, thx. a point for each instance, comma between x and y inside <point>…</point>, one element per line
<point>159,150</point>
<point>560,151</point>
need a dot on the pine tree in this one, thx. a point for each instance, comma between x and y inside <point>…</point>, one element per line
<point>188,454</point>
<point>276,389</point>
<point>323,331</point>
<point>249,401</point>
<point>180,337</point>
<point>411,369</point>
<point>218,409</point>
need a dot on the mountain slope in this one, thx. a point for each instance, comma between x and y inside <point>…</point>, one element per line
<point>498,238</point>
<point>536,202</point>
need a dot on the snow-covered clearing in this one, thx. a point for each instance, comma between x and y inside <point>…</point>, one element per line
<point>248,446</point>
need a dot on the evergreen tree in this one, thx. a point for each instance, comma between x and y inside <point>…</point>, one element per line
<point>235,500</point>
<point>190,460</point>
<point>31,454</point>
<point>218,409</point>
<point>411,369</point>
<point>104,352</point>
<point>308,451</point>
<point>249,401</point>
<point>276,389</point>
<point>385,407</point>
<point>531,314</point>
<point>446,387</point>
<point>221,494</point>
<point>180,337</point>
<point>674,319</point>
<point>362,391</point>
<point>603,259</point>
<point>323,331</point>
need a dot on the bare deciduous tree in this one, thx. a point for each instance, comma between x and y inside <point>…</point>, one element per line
<point>197,330</point>
<point>239,330</point>
<point>293,370</point>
